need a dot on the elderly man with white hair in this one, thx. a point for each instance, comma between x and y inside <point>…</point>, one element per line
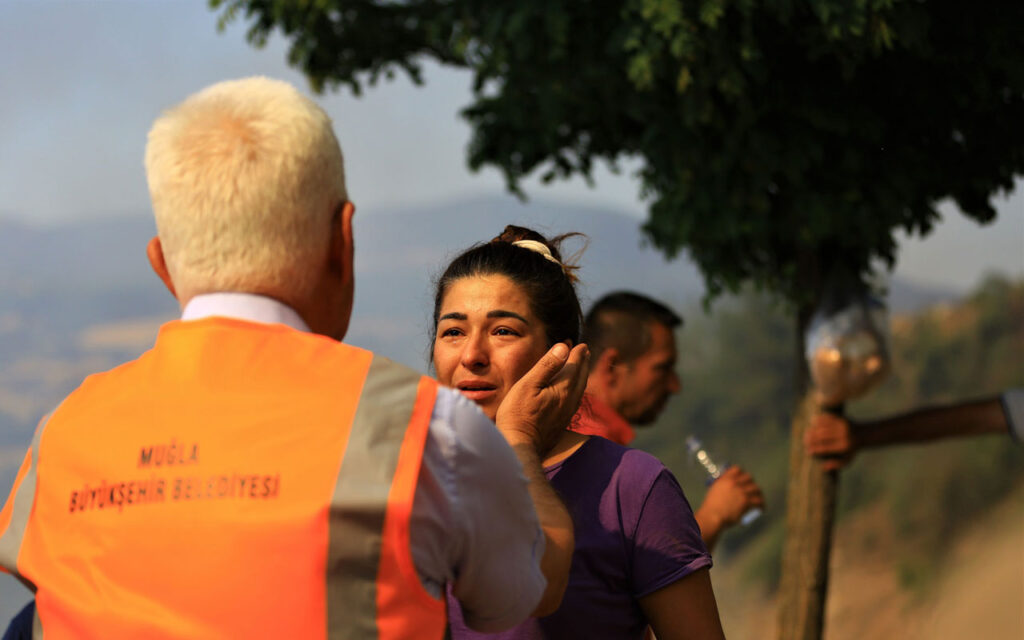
<point>253,476</point>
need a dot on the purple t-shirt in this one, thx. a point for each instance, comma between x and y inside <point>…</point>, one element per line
<point>635,533</point>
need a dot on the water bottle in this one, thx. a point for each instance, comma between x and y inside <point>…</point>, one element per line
<point>715,471</point>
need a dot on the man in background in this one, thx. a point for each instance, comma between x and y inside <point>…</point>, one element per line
<point>253,476</point>
<point>633,374</point>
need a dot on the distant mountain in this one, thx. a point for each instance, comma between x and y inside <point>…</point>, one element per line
<point>66,291</point>
<point>397,251</point>
<point>102,253</point>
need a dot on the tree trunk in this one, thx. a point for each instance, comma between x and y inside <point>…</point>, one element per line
<point>810,511</point>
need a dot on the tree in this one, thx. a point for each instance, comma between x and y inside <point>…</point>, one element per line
<point>781,142</point>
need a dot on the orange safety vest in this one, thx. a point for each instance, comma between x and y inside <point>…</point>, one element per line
<point>239,480</point>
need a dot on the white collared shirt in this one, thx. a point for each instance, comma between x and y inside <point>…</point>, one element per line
<point>473,524</point>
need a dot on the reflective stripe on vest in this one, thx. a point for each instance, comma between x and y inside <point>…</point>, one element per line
<point>238,480</point>
<point>369,511</point>
<point>15,515</point>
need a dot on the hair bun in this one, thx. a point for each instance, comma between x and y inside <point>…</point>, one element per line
<point>512,233</point>
<point>530,240</point>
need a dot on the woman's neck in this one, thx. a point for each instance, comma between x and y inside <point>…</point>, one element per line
<point>567,445</point>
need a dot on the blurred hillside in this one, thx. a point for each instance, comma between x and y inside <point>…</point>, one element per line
<point>908,505</point>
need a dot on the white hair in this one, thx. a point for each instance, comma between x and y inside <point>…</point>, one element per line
<point>244,177</point>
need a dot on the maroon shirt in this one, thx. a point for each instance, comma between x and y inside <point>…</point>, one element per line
<point>635,533</point>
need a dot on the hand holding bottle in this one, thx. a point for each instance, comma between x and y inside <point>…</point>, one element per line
<point>733,496</point>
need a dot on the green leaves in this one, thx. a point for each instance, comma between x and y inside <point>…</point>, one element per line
<point>780,140</point>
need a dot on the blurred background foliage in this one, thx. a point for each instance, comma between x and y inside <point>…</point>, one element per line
<point>778,141</point>
<point>737,370</point>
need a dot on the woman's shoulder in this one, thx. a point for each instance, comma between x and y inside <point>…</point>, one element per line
<point>628,455</point>
<point>642,489</point>
<point>630,467</point>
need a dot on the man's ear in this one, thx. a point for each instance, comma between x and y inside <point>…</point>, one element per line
<point>342,247</point>
<point>155,253</point>
<point>607,366</point>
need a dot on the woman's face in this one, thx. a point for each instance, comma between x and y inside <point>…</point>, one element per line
<point>487,338</point>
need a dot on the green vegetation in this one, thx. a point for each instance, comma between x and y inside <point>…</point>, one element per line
<point>737,381</point>
<point>772,135</point>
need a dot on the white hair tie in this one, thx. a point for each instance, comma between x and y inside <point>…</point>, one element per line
<point>538,247</point>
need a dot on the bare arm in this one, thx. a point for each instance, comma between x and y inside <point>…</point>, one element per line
<point>532,417</point>
<point>964,419</point>
<point>684,610</point>
<point>728,498</point>
<point>559,540</point>
<point>838,439</point>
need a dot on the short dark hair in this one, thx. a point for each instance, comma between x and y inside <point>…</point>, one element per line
<point>549,286</point>
<point>622,320</point>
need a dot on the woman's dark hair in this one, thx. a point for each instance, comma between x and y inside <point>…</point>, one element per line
<point>550,287</point>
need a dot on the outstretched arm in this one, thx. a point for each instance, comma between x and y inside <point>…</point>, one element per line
<point>837,440</point>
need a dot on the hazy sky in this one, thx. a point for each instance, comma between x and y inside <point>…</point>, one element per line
<point>81,82</point>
